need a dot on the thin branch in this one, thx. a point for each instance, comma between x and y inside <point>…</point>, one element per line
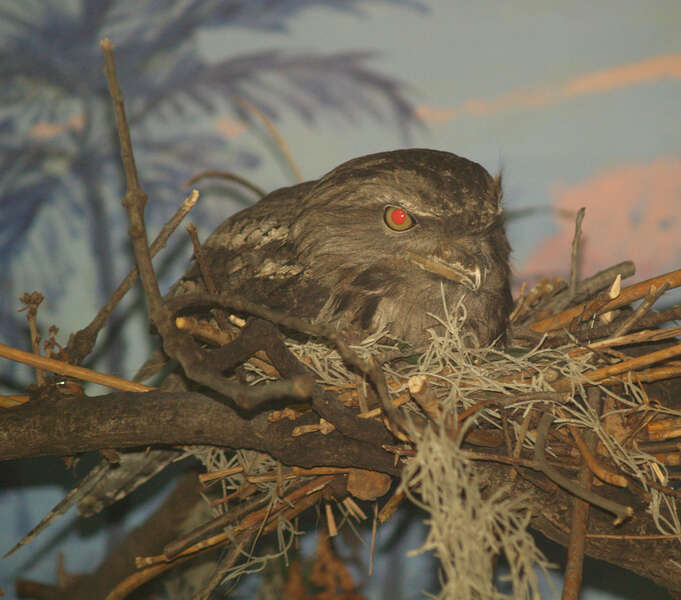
<point>591,461</point>
<point>620,511</point>
<point>82,342</point>
<point>575,254</point>
<point>223,567</point>
<point>32,302</point>
<point>580,513</point>
<point>565,384</point>
<point>646,335</point>
<point>206,275</point>
<point>139,578</point>
<point>588,332</point>
<point>627,296</point>
<point>227,175</point>
<point>286,151</point>
<point>574,262</point>
<point>174,548</point>
<point>69,370</point>
<point>643,308</point>
<point>522,432</point>
<point>177,344</point>
<point>135,198</point>
<point>254,519</point>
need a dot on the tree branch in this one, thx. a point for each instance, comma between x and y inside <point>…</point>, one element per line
<point>177,344</point>
<point>61,426</point>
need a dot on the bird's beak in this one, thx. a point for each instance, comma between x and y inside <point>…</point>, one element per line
<point>464,271</point>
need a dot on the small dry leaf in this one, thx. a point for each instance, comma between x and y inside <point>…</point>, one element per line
<point>368,485</point>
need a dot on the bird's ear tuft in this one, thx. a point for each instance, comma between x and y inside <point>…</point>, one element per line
<point>497,191</point>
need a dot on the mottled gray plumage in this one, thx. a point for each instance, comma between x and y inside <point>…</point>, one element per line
<point>322,249</point>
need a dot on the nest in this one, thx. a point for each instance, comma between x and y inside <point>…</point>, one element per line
<point>569,391</point>
<point>569,398</point>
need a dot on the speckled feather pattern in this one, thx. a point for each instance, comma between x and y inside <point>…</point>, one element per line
<point>322,250</point>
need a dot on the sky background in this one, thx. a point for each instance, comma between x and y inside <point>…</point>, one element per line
<point>576,102</point>
<point>579,104</point>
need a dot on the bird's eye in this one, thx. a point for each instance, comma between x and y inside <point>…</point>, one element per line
<point>397,219</point>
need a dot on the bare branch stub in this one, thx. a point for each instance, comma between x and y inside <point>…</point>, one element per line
<point>567,297</point>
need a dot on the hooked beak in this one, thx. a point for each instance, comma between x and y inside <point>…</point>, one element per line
<point>468,273</point>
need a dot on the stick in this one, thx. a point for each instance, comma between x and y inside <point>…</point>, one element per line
<point>286,151</point>
<point>68,370</point>
<point>565,384</point>
<point>574,261</point>
<point>643,308</point>
<point>229,177</point>
<point>177,344</point>
<point>580,515</point>
<point>627,295</point>
<point>620,511</point>
<point>82,342</point>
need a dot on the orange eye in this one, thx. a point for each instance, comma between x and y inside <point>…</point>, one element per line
<point>397,219</point>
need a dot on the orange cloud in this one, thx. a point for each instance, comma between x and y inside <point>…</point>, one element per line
<point>653,69</point>
<point>230,128</point>
<point>46,130</point>
<point>632,213</point>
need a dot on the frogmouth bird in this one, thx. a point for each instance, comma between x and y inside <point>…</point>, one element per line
<point>375,245</point>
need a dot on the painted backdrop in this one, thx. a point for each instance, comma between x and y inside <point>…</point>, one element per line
<point>578,103</point>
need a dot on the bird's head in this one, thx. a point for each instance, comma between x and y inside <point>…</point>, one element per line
<point>384,231</point>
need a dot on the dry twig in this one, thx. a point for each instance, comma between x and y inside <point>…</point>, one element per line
<point>621,512</point>
<point>228,177</point>
<point>627,296</point>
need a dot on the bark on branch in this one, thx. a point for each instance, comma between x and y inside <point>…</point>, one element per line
<point>62,426</point>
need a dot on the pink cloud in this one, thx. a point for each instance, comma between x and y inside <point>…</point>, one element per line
<point>657,68</point>
<point>632,213</point>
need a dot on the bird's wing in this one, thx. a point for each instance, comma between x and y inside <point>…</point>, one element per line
<point>251,255</point>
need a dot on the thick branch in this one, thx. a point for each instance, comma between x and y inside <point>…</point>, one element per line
<point>69,425</point>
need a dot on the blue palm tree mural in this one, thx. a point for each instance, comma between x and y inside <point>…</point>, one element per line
<point>58,152</point>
